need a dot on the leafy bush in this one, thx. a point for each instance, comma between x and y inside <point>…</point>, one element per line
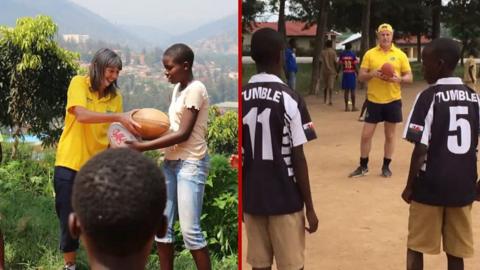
<point>220,207</point>
<point>30,226</point>
<point>31,172</point>
<point>222,134</point>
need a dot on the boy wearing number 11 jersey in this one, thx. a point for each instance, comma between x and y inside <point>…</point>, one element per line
<point>441,185</point>
<point>276,187</point>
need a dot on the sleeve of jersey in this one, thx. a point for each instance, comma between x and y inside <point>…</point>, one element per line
<point>405,67</point>
<point>301,125</point>
<point>365,61</point>
<point>77,93</point>
<point>419,123</point>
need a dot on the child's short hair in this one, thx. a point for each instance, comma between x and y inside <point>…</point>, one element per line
<point>119,197</point>
<point>446,49</point>
<point>180,53</point>
<point>266,46</point>
<point>348,46</point>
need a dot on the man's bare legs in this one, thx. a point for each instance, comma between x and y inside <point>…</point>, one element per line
<point>389,147</point>
<point>366,139</point>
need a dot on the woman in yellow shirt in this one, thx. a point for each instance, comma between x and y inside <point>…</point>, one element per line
<point>92,103</point>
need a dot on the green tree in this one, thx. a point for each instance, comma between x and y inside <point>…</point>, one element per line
<point>313,12</point>
<point>250,10</point>
<point>34,77</point>
<point>462,18</point>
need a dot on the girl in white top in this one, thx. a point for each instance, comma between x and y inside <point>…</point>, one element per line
<point>186,159</point>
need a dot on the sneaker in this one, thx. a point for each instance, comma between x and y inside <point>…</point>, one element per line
<point>69,267</point>
<point>386,172</point>
<point>360,171</point>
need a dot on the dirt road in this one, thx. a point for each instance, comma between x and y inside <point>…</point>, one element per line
<point>363,221</point>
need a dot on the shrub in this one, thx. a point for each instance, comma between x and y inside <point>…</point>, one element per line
<point>222,134</point>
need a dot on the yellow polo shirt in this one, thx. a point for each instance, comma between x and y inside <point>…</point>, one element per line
<point>380,91</point>
<point>79,141</point>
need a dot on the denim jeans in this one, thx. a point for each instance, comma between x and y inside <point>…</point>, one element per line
<point>185,180</point>
<point>63,184</point>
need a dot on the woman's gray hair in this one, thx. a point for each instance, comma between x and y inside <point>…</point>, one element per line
<point>103,59</point>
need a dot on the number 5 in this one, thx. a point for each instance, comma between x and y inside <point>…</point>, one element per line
<point>465,131</point>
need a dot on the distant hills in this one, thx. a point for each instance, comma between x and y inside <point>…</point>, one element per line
<point>74,19</point>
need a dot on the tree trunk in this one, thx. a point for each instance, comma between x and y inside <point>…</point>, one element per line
<point>319,43</point>
<point>281,20</point>
<point>462,52</point>
<point>282,29</point>
<point>16,140</point>
<point>373,37</point>
<point>365,27</point>
<point>436,8</point>
<point>419,47</point>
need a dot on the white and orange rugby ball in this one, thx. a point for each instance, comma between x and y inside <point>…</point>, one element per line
<point>118,135</point>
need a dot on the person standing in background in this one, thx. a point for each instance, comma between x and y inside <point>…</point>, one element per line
<point>329,71</point>
<point>291,67</point>
<point>348,62</point>
<point>470,72</point>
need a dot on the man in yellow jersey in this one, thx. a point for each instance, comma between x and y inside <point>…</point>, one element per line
<point>92,103</point>
<point>384,102</point>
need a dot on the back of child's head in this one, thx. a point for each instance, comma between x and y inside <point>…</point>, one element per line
<point>445,49</point>
<point>180,53</point>
<point>266,47</point>
<point>119,197</point>
<point>348,46</point>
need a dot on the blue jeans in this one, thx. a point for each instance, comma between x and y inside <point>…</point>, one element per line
<point>185,180</point>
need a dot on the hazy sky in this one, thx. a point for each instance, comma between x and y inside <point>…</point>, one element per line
<point>173,16</point>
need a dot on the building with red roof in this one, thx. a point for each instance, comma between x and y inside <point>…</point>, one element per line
<point>305,37</point>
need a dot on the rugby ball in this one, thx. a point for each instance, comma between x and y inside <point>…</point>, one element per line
<point>387,70</point>
<point>118,134</point>
<point>153,123</point>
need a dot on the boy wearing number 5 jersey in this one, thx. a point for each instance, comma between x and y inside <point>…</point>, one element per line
<point>441,185</point>
<point>275,183</point>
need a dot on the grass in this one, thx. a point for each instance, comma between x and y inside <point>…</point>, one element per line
<point>30,226</point>
<point>305,72</point>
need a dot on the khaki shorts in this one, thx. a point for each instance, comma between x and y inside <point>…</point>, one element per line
<point>427,224</point>
<point>329,80</point>
<point>282,237</point>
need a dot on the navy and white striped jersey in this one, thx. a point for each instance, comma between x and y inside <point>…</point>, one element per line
<point>445,118</point>
<point>275,119</point>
